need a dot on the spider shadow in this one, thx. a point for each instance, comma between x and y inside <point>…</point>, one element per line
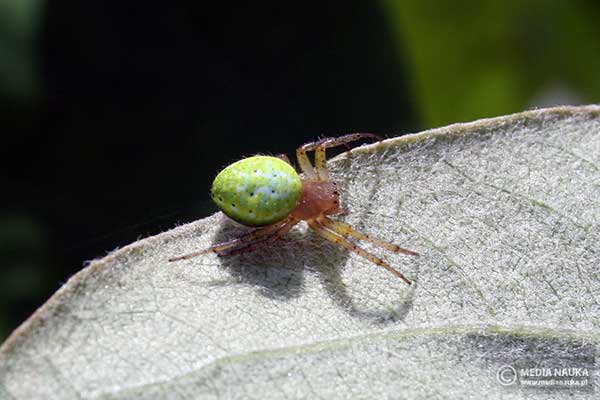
<point>278,268</point>
<point>332,282</point>
<point>338,290</point>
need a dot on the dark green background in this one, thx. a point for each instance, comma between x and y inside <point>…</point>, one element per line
<point>115,116</point>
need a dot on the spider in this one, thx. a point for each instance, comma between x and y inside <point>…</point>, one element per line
<point>267,192</point>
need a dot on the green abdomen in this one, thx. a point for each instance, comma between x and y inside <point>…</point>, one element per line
<point>258,190</point>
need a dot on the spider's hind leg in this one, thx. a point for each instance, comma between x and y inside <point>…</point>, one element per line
<point>284,157</point>
<point>249,238</point>
<point>273,236</point>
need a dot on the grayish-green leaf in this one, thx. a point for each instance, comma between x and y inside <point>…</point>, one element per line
<point>503,211</point>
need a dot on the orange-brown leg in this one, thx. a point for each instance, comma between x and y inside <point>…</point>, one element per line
<point>333,237</point>
<point>344,229</point>
<point>285,158</point>
<point>321,163</point>
<point>283,230</point>
<point>322,145</point>
<point>341,211</point>
<point>239,241</point>
<point>338,141</point>
<point>305,164</point>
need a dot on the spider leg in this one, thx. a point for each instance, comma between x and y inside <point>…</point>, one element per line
<point>322,145</point>
<point>283,230</point>
<point>305,164</point>
<point>341,211</point>
<point>321,162</point>
<point>345,229</point>
<point>284,157</point>
<point>333,237</point>
<point>246,238</point>
<point>341,140</point>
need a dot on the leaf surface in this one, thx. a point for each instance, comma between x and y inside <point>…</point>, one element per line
<point>504,213</point>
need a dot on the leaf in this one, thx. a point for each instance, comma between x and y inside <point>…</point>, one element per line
<point>462,67</point>
<point>504,213</point>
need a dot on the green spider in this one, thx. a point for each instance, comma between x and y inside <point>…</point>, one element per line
<point>266,192</point>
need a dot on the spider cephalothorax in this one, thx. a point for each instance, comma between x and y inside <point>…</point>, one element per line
<point>266,192</point>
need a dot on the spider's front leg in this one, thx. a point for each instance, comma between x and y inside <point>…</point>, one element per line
<point>320,171</point>
<point>337,239</point>
<point>345,229</point>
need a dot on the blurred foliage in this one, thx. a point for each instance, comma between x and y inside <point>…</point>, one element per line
<point>473,59</point>
<point>19,75</point>
<point>24,243</point>
<point>24,252</point>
